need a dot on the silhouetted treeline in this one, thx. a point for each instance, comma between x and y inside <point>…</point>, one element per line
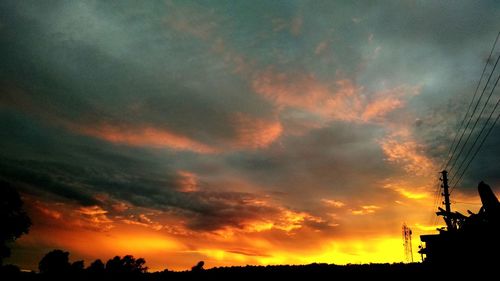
<point>14,220</point>
<point>55,265</point>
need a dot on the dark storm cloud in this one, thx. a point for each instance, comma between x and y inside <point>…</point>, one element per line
<point>341,161</point>
<point>55,166</point>
<point>71,74</point>
<point>203,210</point>
<point>447,61</point>
<point>51,179</point>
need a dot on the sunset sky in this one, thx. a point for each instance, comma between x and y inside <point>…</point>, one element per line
<point>237,132</point>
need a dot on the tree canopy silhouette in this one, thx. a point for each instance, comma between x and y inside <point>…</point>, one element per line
<point>77,267</point>
<point>56,261</point>
<point>14,220</point>
<point>127,264</point>
<point>96,266</point>
<point>198,267</point>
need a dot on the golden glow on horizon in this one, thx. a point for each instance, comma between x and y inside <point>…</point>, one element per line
<point>376,250</point>
<point>281,237</point>
<point>177,253</point>
<point>145,243</point>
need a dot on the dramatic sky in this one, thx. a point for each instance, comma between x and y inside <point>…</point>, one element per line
<point>236,132</point>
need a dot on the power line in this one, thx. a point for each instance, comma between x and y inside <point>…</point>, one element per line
<point>482,142</point>
<point>435,205</point>
<point>482,129</point>
<point>475,153</point>
<point>470,118</point>
<point>470,104</point>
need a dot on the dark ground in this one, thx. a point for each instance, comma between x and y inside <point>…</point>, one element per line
<point>412,271</point>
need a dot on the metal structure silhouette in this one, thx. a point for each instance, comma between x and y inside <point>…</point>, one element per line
<point>406,234</point>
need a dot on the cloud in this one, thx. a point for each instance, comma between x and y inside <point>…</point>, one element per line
<point>365,210</point>
<point>145,136</point>
<point>95,217</point>
<point>144,221</point>
<point>342,101</point>
<point>190,19</point>
<point>401,149</point>
<point>255,132</point>
<point>409,191</point>
<point>386,101</point>
<point>187,182</point>
<point>46,211</point>
<point>52,179</point>
<point>333,203</point>
<point>294,25</point>
<point>250,133</point>
<point>321,47</point>
<point>305,92</point>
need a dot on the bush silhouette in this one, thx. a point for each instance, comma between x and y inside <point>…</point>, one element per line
<point>14,221</point>
<point>96,266</point>
<point>127,264</point>
<point>77,267</point>
<point>55,262</point>
<point>198,267</point>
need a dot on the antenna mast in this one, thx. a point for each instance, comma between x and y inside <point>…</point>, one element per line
<point>406,231</point>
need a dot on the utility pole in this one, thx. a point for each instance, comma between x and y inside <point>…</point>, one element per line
<point>450,223</point>
<point>446,192</point>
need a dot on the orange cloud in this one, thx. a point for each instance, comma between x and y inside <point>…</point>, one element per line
<point>409,191</point>
<point>250,133</point>
<point>342,100</point>
<point>380,107</point>
<point>292,91</point>
<point>388,100</point>
<point>408,153</point>
<point>333,203</point>
<point>365,210</point>
<point>48,212</point>
<point>255,132</point>
<point>145,136</point>
<point>144,221</point>
<point>286,220</point>
<point>94,217</point>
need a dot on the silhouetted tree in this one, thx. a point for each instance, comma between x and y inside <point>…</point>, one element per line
<point>96,266</point>
<point>14,221</point>
<point>127,264</point>
<point>55,262</point>
<point>77,267</point>
<point>198,267</point>
<point>114,264</point>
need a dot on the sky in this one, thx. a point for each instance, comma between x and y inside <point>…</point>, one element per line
<point>237,132</point>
